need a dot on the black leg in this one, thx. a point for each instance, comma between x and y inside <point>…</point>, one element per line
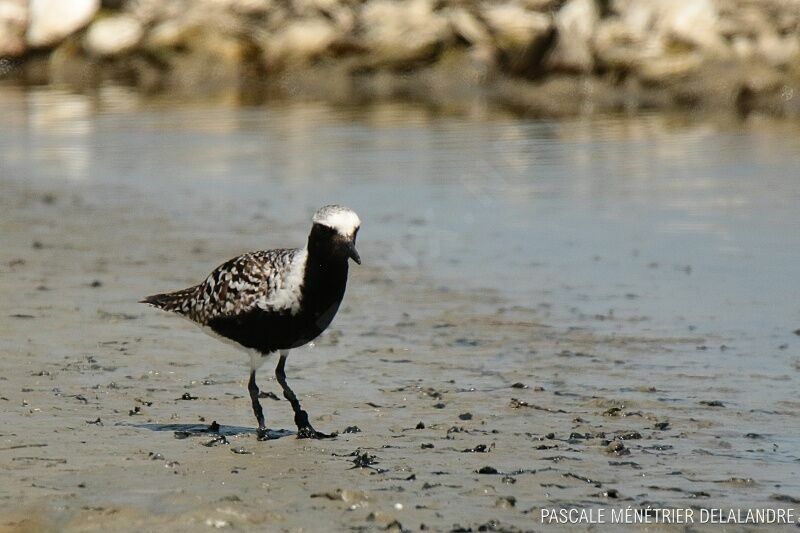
<point>304,429</point>
<point>261,432</point>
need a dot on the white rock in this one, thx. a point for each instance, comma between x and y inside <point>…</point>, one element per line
<point>655,24</point>
<point>13,21</point>
<point>648,30</point>
<point>514,26</point>
<point>150,12</point>
<point>343,18</point>
<point>168,34</point>
<point>576,23</point>
<point>743,47</point>
<point>670,67</point>
<point>617,46</point>
<point>113,35</point>
<point>250,7</point>
<point>467,26</point>
<point>692,21</point>
<point>53,20</point>
<point>779,51</point>
<point>402,30</point>
<point>300,41</point>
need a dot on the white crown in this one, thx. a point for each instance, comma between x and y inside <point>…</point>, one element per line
<point>343,219</point>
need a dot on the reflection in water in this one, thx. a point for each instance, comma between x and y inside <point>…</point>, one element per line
<point>49,128</point>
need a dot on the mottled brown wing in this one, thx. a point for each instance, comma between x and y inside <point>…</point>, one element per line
<point>235,287</point>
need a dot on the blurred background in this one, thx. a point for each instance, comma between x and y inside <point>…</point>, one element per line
<point>535,57</point>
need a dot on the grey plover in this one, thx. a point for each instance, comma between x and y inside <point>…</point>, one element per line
<point>275,300</point>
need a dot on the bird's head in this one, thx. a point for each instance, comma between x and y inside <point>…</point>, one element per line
<point>335,229</point>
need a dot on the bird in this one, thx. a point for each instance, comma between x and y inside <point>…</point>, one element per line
<point>272,301</point>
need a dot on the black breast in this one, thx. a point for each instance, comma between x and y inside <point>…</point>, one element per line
<point>268,331</point>
<point>324,283</point>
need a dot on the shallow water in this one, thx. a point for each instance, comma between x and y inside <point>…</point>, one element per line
<point>648,262</point>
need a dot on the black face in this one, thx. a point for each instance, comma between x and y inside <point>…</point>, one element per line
<point>325,242</point>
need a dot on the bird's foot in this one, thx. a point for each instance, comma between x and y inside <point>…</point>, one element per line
<point>265,434</point>
<point>307,432</point>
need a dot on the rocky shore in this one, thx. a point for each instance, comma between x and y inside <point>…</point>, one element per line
<point>537,57</point>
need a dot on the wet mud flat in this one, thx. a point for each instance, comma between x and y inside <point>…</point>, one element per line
<point>456,410</point>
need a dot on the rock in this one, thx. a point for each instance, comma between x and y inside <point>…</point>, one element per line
<point>249,7</point>
<point>13,22</point>
<point>514,26</point>
<point>617,448</point>
<point>343,18</point>
<point>778,51</point>
<point>505,502</point>
<point>53,20</point>
<point>113,36</point>
<point>403,31</point>
<point>611,45</point>
<point>658,37</point>
<point>168,34</point>
<point>522,37</point>
<point>468,27</point>
<point>240,450</point>
<point>382,517</point>
<point>743,47</point>
<point>300,41</point>
<point>350,497</point>
<point>670,68</point>
<point>152,12</point>
<point>210,60</point>
<point>695,22</point>
<point>575,24</point>
<point>748,21</point>
<point>314,7</point>
<point>656,26</point>
<point>543,5</point>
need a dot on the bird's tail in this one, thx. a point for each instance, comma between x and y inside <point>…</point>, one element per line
<point>179,301</point>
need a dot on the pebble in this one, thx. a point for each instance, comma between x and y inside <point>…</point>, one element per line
<point>617,448</point>
<point>505,502</point>
<point>241,450</point>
